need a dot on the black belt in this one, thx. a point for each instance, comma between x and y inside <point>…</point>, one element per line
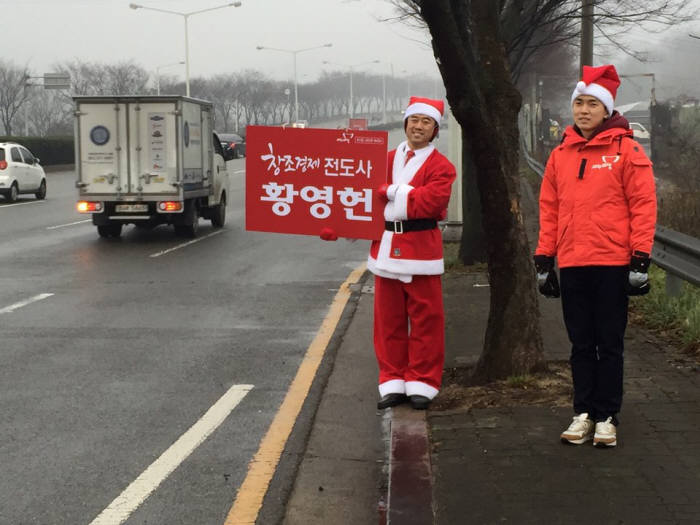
<point>410,225</point>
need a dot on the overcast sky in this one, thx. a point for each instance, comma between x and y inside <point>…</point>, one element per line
<point>40,33</point>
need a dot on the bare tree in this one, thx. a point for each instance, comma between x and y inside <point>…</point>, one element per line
<point>13,93</point>
<point>91,78</point>
<point>529,25</point>
<point>125,78</point>
<point>50,114</point>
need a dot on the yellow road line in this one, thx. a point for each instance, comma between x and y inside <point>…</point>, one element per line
<point>250,495</point>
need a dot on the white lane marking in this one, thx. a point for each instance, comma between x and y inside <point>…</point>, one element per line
<point>185,244</point>
<point>21,204</point>
<point>128,501</point>
<point>68,224</point>
<point>239,171</point>
<point>20,304</point>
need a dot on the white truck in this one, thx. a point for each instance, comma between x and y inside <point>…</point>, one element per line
<point>149,160</point>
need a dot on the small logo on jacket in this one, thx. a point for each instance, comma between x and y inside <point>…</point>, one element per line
<point>607,162</point>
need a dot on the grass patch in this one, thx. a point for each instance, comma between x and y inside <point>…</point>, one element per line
<point>523,382</point>
<point>677,318</point>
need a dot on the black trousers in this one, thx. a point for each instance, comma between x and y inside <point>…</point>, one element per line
<point>594,304</point>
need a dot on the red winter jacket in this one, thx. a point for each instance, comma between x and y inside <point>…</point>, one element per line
<point>597,199</point>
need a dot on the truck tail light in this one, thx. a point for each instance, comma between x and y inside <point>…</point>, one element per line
<point>170,206</point>
<point>89,207</point>
<point>3,164</point>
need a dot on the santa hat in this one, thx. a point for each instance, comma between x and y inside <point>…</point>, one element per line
<point>425,106</point>
<point>599,82</point>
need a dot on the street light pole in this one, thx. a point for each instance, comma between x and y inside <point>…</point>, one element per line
<point>296,91</point>
<point>294,53</point>
<point>186,17</point>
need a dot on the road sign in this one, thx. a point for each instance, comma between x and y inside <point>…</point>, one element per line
<point>56,81</point>
<point>302,180</point>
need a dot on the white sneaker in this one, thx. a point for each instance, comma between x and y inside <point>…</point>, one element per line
<point>580,430</point>
<point>605,434</point>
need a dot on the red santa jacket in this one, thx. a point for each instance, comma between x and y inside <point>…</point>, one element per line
<point>419,189</point>
<point>597,200</point>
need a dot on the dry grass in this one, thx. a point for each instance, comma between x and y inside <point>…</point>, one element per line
<point>550,388</point>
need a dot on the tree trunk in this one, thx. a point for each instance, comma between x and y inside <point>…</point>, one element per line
<point>474,67</point>
<point>472,247</point>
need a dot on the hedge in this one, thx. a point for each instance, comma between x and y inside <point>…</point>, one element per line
<point>50,150</point>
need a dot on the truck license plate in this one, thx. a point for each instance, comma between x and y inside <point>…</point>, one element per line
<point>131,207</point>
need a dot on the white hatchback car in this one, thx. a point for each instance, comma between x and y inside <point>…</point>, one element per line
<point>20,172</point>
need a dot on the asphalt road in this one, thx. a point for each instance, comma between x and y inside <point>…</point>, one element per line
<point>111,350</point>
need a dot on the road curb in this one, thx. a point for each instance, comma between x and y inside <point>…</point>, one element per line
<point>409,498</point>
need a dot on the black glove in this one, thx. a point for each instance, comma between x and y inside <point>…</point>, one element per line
<point>547,280</point>
<point>637,282</point>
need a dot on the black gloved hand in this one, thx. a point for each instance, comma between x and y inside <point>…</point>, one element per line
<point>547,281</point>
<point>637,282</point>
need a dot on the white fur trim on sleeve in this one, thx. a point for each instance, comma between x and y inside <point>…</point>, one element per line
<point>391,191</point>
<point>401,202</point>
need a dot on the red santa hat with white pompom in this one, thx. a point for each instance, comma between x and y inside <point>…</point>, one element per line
<point>435,109</point>
<point>600,82</point>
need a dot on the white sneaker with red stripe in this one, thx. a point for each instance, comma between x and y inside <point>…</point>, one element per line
<point>580,430</point>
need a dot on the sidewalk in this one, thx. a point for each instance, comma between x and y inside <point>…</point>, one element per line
<point>499,465</point>
<point>506,465</point>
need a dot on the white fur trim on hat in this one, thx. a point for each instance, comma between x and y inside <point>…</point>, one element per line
<point>597,91</point>
<point>421,108</point>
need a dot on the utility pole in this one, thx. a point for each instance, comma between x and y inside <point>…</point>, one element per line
<point>586,33</point>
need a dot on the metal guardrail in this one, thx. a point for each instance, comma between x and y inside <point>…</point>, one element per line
<point>675,252</point>
<point>678,254</point>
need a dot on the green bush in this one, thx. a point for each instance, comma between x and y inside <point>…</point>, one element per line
<point>50,150</point>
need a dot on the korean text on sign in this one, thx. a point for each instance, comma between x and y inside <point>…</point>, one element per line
<point>304,180</point>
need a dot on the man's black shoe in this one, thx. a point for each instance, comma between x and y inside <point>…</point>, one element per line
<point>391,400</point>
<point>420,402</point>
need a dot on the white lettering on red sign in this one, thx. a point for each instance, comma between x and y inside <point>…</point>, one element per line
<point>283,196</point>
<point>332,167</point>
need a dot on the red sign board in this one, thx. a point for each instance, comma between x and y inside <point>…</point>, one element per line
<point>357,123</point>
<point>304,180</point>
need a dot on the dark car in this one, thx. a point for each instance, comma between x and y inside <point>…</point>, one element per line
<point>233,142</point>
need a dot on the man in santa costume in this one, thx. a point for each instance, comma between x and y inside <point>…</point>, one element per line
<point>407,262</point>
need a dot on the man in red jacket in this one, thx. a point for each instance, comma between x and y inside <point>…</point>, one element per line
<point>597,216</point>
<point>407,263</point>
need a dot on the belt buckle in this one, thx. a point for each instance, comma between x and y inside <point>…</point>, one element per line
<point>398,226</point>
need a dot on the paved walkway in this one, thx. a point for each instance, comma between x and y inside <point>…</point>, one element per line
<point>506,465</point>
<point>499,465</point>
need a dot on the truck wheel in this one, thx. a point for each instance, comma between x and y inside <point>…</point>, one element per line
<point>110,230</point>
<point>218,216</point>
<point>191,221</point>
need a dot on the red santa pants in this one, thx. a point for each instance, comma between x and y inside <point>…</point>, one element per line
<point>409,335</point>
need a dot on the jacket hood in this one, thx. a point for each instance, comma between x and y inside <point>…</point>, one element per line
<point>616,122</point>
